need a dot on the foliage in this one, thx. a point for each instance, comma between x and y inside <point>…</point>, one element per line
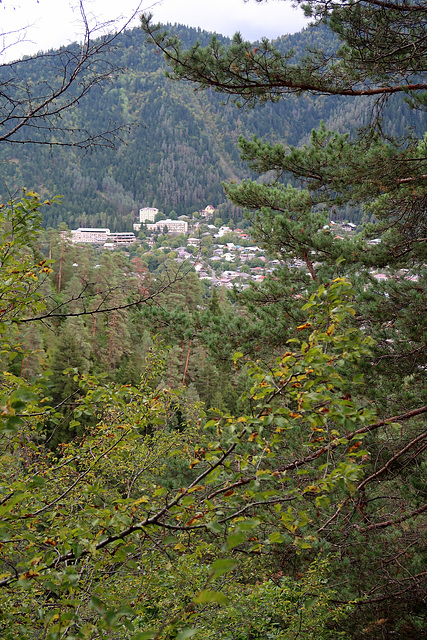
<point>293,224</point>
<point>293,204</point>
<point>372,60</point>
<point>22,279</point>
<point>97,535</point>
<point>281,607</point>
<point>129,510</point>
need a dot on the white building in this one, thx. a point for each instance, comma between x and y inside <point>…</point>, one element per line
<point>101,236</point>
<point>93,236</point>
<point>207,212</point>
<point>222,231</point>
<point>173,226</point>
<point>123,237</point>
<point>148,213</point>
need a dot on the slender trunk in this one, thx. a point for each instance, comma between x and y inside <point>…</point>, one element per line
<point>60,268</point>
<point>310,266</point>
<point>186,364</point>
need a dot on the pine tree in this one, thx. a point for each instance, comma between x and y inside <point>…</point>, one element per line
<point>214,307</point>
<point>386,176</point>
<point>382,53</point>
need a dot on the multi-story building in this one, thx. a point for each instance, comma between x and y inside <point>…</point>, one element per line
<point>173,226</point>
<point>93,236</point>
<point>101,236</point>
<point>124,237</point>
<point>148,213</point>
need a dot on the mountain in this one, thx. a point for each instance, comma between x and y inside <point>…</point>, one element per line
<point>181,144</point>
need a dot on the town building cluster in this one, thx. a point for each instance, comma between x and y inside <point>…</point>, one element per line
<point>220,256</point>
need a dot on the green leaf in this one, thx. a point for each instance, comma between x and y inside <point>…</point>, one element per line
<point>77,549</point>
<point>322,501</point>
<point>234,539</point>
<point>96,604</point>
<point>208,596</point>
<point>111,617</point>
<point>214,527</point>
<point>223,566</point>
<point>22,396</point>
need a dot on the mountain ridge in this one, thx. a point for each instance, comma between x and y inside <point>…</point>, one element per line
<point>182,143</point>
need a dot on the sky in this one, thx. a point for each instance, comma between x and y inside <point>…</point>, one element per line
<point>35,25</point>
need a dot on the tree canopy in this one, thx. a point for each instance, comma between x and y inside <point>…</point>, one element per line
<point>383,52</point>
<point>297,491</point>
<point>292,206</point>
<point>142,527</point>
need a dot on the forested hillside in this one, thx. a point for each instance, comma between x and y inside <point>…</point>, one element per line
<point>181,143</point>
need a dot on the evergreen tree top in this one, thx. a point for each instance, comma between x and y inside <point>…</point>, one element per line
<point>383,51</point>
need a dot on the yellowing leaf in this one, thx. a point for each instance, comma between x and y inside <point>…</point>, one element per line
<point>197,487</point>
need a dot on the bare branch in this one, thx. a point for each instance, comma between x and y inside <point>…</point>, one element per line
<point>31,113</point>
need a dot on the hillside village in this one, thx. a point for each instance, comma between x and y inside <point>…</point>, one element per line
<point>222,256</point>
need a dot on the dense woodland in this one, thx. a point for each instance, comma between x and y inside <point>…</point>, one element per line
<point>183,461</point>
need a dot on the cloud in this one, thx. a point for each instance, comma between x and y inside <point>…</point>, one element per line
<point>252,19</point>
<point>51,23</point>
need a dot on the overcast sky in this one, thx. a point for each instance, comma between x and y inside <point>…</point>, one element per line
<point>51,23</point>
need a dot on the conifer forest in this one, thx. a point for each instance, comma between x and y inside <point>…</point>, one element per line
<point>213,332</point>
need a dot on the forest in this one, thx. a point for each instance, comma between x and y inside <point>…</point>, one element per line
<point>180,460</point>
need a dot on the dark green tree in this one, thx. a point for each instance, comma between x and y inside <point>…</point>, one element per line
<point>381,52</point>
<point>214,307</point>
<point>386,176</point>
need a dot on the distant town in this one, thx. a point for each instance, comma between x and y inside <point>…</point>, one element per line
<point>221,255</point>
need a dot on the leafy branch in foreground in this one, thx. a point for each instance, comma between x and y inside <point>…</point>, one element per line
<point>93,535</point>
